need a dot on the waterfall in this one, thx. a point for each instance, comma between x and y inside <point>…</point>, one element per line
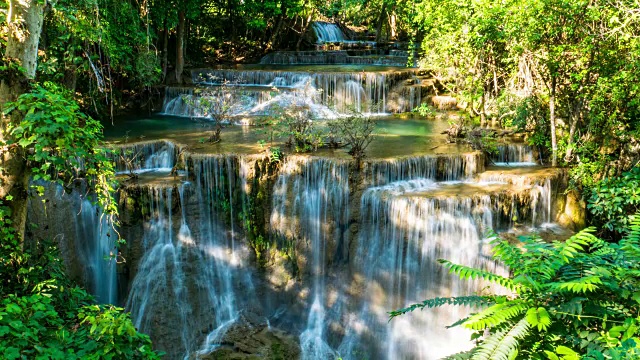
<point>435,167</point>
<point>342,57</point>
<point>193,266</point>
<point>84,234</point>
<point>514,155</point>
<point>328,94</point>
<point>310,198</point>
<point>396,254</point>
<point>327,32</point>
<point>144,156</point>
<point>97,249</point>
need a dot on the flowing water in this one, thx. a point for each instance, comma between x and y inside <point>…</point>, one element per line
<point>343,247</point>
<point>328,91</point>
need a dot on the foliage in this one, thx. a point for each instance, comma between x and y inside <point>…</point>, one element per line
<point>293,123</point>
<point>613,199</point>
<point>147,67</point>
<point>356,131</point>
<point>97,48</point>
<point>43,315</point>
<point>216,105</point>
<point>425,110</point>
<point>565,300</point>
<point>61,143</point>
<point>565,72</point>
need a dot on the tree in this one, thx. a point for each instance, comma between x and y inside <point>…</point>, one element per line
<point>356,132</point>
<point>216,106</point>
<point>24,23</point>
<point>567,299</point>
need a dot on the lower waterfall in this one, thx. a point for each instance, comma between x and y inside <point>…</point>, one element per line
<point>359,243</point>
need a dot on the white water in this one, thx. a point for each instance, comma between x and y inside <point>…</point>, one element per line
<point>327,94</point>
<point>145,157</point>
<point>402,237</point>
<point>434,167</point>
<point>327,32</point>
<point>310,198</point>
<point>95,243</point>
<point>514,155</point>
<point>192,267</point>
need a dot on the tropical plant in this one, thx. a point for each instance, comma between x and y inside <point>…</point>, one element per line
<point>43,315</point>
<point>612,200</point>
<point>61,144</point>
<point>570,299</point>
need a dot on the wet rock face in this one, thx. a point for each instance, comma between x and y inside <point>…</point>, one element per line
<point>251,337</point>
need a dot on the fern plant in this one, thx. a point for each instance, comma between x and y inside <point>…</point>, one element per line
<point>573,299</point>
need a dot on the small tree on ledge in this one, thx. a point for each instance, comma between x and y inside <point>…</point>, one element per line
<point>356,132</point>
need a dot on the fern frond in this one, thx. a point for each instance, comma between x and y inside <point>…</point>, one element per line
<point>496,315</point>
<point>503,344</point>
<point>580,285</point>
<point>466,272</point>
<point>572,307</point>
<point>575,244</point>
<point>465,355</point>
<point>508,254</point>
<point>633,234</point>
<point>478,301</point>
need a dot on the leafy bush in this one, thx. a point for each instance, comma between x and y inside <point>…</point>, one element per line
<point>613,199</point>
<point>356,132</point>
<point>61,144</point>
<point>45,316</point>
<point>569,300</point>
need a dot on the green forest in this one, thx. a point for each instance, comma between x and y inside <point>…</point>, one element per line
<point>560,79</point>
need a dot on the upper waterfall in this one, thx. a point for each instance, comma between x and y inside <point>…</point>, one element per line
<point>327,32</point>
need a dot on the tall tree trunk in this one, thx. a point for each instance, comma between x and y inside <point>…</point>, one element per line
<point>165,51</point>
<point>180,47</point>
<point>483,114</point>
<point>575,118</point>
<point>552,122</point>
<point>393,28</point>
<point>381,19</point>
<point>276,32</point>
<point>24,23</point>
<point>305,27</point>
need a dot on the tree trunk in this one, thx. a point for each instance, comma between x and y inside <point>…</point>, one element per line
<point>575,117</point>
<point>276,32</point>
<point>24,23</point>
<point>552,122</point>
<point>305,27</point>
<point>483,115</point>
<point>381,19</point>
<point>165,51</point>
<point>392,26</point>
<point>180,47</point>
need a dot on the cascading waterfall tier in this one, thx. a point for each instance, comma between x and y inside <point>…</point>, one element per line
<point>343,57</point>
<point>310,204</point>
<point>514,155</point>
<point>327,33</point>
<point>327,94</point>
<point>434,167</point>
<point>402,235</point>
<point>85,235</point>
<point>191,280</point>
<point>145,156</point>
